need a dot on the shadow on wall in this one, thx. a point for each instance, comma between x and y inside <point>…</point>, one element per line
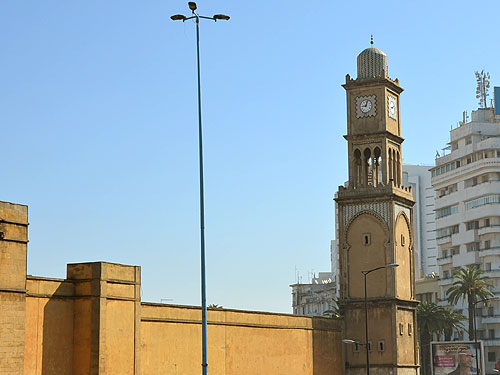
<point>327,347</point>
<point>57,341</point>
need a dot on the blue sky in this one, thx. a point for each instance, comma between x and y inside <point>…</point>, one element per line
<point>98,119</point>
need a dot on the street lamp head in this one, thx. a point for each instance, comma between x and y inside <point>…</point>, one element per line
<point>192,6</point>
<point>221,17</point>
<point>178,17</point>
<point>348,341</point>
<point>392,265</point>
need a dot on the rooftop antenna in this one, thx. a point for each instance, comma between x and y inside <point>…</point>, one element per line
<point>483,86</point>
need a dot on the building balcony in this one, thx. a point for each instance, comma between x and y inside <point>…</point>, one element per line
<point>470,236</point>
<point>490,229</point>
<point>495,250</point>
<point>445,281</point>
<point>490,319</point>
<point>455,239</point>
<point>444,260</point>
<point>443,240</point>
<point>492,342</point>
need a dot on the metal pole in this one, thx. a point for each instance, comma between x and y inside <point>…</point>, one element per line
<point>475,337</point>
<point>202,215</point>
<point>366,332</point>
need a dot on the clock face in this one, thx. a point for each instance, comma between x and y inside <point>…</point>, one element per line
<point>366,106</point>
<point>392,107</point>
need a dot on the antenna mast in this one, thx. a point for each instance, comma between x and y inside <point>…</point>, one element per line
<point>483,86</point>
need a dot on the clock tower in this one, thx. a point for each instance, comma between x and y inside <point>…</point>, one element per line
<point>375,221</point>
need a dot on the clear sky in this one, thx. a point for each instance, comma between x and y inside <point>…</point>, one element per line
<point>99,129</point>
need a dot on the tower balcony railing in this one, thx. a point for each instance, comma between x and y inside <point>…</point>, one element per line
<point>379,189</point>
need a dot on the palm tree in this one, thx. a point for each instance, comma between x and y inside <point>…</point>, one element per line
<point>452,320</point>
<point>430,322</point>
<point>470,284</point>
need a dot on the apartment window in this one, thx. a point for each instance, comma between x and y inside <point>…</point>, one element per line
<point>487,267</point>
<point>492,356</point>
<point>446,274</point>
<point>489,199</point>
<point>485,178</point>
<point>469,160</point>
<point>446,211</point>
<point>486,222</point>
<point>479,312</point>
<point>445,253</point>
<point>473,246</point>
<point>401,329</point>
<point>455,251</point>
<point>472,225</point>
<point>458,163</point>
<point>491,313</point>
<point>454,146</point>
<point>487,244</point>
<point>468,140</point>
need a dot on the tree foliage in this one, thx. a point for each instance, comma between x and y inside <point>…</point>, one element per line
<point>434,320</point>
<point>472,286</point>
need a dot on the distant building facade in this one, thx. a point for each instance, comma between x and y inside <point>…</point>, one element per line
<point>315,298</point>
<point>424,226</point>
<point>467,213</point>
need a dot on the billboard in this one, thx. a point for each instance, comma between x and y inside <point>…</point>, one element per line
<point>497,100</point>
<point>456,357</point>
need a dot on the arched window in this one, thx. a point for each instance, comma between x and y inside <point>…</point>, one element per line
<point>376,164</point>
<point>366,167</point>
<point>357,168</point>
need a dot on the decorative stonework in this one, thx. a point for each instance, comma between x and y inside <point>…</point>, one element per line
<point>372,63</point>
<point>366,106</point>
<point>380,208</point>
<point>398,208</point>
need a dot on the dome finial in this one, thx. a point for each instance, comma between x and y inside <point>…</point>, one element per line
<point>371,40</point>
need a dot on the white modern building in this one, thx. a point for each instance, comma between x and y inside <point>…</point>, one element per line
<point>467,186</point>
<point>315,298</point>
<point>424,225</point>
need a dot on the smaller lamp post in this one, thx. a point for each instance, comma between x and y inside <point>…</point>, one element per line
<point>474,303</point>
<point>365,273</point>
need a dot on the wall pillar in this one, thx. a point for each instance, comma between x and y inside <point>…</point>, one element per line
<point>13,250</point>
<point>107,318</point>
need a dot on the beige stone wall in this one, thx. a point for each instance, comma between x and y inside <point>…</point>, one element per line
<point>13,243</point>
<point>240,342</point>
<point>93,323</point>
<point>49,327</point>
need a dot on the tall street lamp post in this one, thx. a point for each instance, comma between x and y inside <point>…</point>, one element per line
<point>478,370</point>
<point>365,273</point>
<point>196,16</point>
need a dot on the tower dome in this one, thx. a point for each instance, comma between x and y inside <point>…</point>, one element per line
<point>372,63</point>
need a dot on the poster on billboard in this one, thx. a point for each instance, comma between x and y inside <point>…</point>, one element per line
<point>456,358</point>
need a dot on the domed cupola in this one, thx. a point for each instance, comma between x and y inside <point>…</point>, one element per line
<point>372,63</point>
